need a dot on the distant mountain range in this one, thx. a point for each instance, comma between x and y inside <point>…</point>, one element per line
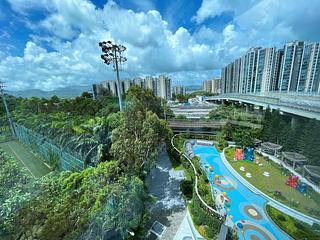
<point>65,92</point>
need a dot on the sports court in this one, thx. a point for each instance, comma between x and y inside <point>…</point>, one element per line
<point>35,166</point>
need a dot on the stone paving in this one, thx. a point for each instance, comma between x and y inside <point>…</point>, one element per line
<point>163,183</point>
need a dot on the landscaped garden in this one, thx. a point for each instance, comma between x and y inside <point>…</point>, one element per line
<point>295,228</point>
<point>274,184</point>
<point>207,224</point>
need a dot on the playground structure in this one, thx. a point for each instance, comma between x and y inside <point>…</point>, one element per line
<point>246,154</point>
<point>293,181</point>
<point>238,154</point>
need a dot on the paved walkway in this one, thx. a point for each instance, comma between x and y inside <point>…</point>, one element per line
<point>187,230</point>
<point>301,178</point>
<point>169,209</point>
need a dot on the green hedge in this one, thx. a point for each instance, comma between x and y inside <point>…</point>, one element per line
<point>201,217</point>
<point>187,188</point>
<point>296,229</point>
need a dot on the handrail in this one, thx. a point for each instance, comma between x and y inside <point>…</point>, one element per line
<point>270,100</point>
<point>196,178</point>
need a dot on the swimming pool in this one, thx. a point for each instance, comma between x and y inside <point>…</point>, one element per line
<point>245,208</point>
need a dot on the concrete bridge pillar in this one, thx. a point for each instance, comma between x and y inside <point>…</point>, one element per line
<point>247,107</point>
<point>261,108</point>
<point>294,121</point>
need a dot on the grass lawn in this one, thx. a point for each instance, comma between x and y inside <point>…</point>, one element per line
<point>306,203</point>
<point>35,167</point>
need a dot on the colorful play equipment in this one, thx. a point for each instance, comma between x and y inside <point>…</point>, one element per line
<point>227,201</point>
<point>240,225</point>
<point>246,154</point>
<point>249,154</point>
<point>292,181</point>
<point>302,187</point>
<point>238,154</point>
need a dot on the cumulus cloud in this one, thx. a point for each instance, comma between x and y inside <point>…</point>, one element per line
<point>213,8</point>
<point>63,48</point>
<point>74,28</point>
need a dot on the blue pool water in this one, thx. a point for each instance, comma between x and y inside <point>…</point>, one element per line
<point>245,208</point>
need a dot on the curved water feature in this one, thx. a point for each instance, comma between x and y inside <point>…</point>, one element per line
<point>245,208</point>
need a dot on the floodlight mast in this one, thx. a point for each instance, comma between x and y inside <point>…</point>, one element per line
<point>6,108</point>
<point>112,54</point>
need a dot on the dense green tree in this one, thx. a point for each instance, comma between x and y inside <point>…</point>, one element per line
<point>298,134</point>
<point>309,141</point>
<point>144,100</point>
<point>13,192</point>
<point>182,97</point>
<point>243,137</point>
<point>135,140</point>
<point>220,112</point>
<point>222,142</point>
<point>64,206</point>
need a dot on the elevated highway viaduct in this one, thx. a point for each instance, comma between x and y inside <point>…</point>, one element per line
<point>300,105</point>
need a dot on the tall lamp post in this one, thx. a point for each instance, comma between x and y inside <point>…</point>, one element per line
<point>112,53</point>
<point>6,108</point>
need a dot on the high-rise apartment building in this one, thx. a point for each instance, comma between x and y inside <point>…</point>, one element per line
<point>160,86</point>
<point>309,75</point>
<point>276,69</point>
<point>263,79</point>
<point>163,87</point>
<point>296,67</point>
<point>290,66</point>
<point>178,90</point>
<point>212,85</point>
<point>125,85</point>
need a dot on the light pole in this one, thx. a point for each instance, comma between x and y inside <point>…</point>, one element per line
<point>6,108</point>
<point>113,54</point>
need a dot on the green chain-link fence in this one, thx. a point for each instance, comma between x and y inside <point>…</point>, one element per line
<point>65,159</point>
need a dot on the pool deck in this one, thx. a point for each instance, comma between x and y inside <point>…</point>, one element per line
<point>272,202</point>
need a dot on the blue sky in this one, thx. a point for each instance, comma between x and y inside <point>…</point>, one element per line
<point>48,44</point>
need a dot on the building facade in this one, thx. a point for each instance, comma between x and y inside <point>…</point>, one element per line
<point>212,85</point>
<point>160,86</point>
<point>163,89</point>
<point>178,90</point>
<point>294,68</point>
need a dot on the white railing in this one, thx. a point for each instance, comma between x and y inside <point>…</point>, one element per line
<point>196,179</point>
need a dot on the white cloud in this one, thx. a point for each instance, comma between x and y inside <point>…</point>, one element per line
<point>23,6</point>
<point>73,29</point>
<point>213,8</point>
<point>260,23</point>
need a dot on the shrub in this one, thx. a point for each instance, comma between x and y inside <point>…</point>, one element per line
<point>202,217</point>
<point>187,188</point>
<point>202,231</point>
<point>295,228</point>
<point>281,217</point>
<point>210,232</point>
